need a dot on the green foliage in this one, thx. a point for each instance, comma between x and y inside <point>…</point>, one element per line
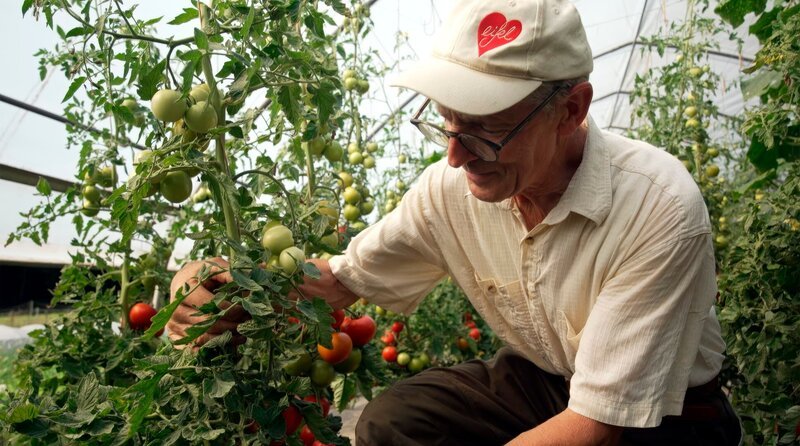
<point>759,291</point>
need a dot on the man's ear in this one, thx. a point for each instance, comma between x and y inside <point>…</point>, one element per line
<point>576,107</point>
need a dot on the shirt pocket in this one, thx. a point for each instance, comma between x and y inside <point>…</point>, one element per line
<point>571,339</point>
<point>514,323</point>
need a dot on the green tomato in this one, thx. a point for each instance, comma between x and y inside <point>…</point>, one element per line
<point>372,147</point>
<point>349,73</point>
<point>366,207</point>
<point>403,359</point>
<point>91,193</point>
<point>299,366</point>
<point>400,185</point>
<point>426,360</point>
<point>317,145</point>
<point>322,373</point>
<point>142,157</point>
<point>712,171</point>
<point>416,365</point>
<point>690,111</point>
<point>347,179</point>
<point>350,83</point>
<point>353,148</point>
<point>200,93</point>
<point>369,162</point>
<point>358,226</point>
<point>290,259</point>
<point>106,176</point>
<point>351,213</point>
<point>355,158</point>
<point>333,152</point>
<point>90,208</point>
<point>351,195</point>
<point>401,158</point>
<point>201,117</point>
<point>277,238</point>
<point>350,364</point>
<point>130,104</point>
<point>362,86</point>
<point>176,186</point>
<point>331,240</point>
<point>168,105</point>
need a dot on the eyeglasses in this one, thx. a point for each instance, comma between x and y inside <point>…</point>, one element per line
<point>480,147</point>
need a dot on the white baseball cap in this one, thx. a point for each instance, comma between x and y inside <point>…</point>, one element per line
<point>489,55</point>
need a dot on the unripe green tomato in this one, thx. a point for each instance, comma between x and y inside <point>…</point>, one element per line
<point>379,311</point>
<point>350,364</point>
<point>400,185</point>
<point>201,117</point>
<point>130,104</point>
<point>389,206</point>
<point>200,93</point>
<point>176,186</point>
<point>168,105</point>
<point>712,152</point>
<point>90,208</point>
<point>692,123</point>
<point>347,179</point>
<point>721,241</point>
<point>362,86</point>
<point>358,226</point>
<point>349,73</point>
<point>299,366</point>
<point>426,360</point>
<point>372,147</point>
<point>366,207</point>
<point>333,152</point>
<point>351,213</point>
<point>106,176</point>
<point>688,165</point>
<point>91,193</point>
<point>355,158</point>
<point>695,71</point>
<point>277,238</point>
<point>203,194</point>
<point>679,58</point>
<point>316,146</point>
<point>290,259</point>
<point>369,162</point>
<point>331,240</point>
<point>690,111</point>
<point>416,365</point>
<point>350,83</point>
<point>401,158</point>
<point>712,170</point>
<point>403,359</point>
<point>390,194</point>
<point>353,148</point>
<point>322,373</point>
<point>351,195</point>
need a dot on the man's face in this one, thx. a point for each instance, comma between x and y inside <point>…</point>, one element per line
<point>524,163</point>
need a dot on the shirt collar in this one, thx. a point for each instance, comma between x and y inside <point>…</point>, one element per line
<point>589,190</point>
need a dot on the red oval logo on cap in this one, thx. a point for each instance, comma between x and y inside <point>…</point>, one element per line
<point>495,30</point>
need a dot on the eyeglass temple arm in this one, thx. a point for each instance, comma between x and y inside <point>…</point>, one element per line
<point>530,116</point>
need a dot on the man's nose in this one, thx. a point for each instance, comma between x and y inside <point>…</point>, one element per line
<point>457,154</point>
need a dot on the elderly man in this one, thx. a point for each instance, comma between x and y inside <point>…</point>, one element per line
<point>589,254</point>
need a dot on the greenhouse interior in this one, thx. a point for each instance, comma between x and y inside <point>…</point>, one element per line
<point>273,222</point>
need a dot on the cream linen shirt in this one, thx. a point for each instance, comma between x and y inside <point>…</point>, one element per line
<point>614,290</point>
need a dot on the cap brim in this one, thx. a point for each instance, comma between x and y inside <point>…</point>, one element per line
<point>463,89</point>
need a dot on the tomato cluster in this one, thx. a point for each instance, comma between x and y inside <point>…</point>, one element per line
<point>403,360</point>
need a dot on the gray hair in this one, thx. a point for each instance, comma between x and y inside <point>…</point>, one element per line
<point>541,93</point>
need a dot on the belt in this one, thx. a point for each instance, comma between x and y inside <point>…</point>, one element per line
<point>702,402</point>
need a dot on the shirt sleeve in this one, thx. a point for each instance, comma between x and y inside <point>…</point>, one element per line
<point>396,262</point>
<point>643,333</point>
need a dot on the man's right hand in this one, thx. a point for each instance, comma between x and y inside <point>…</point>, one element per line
<point>186,314</point>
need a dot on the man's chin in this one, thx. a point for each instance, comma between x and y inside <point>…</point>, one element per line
<point>483,193</point>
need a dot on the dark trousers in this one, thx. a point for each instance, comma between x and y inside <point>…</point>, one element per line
<point>487,403</point>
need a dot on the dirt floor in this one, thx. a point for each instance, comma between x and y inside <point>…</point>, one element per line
<point>350,418</point>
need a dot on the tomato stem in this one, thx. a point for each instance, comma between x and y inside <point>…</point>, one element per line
<point>124,286</point>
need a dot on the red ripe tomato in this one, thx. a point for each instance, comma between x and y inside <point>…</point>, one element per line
<point>397,327</point>
<point>361,329</point>
<point>470,324</point>
<point>307,436</point>
<point>462,344</point>
<point>389,353</point>
<point>140,316</point>
<point>467,316</point>
<point>252,426</point>
<point>342,346</point>
<point>338,318</point>
<point>388,338</point>
<point>475,334</point>
<point>293,419</point>
<point>293,320</point>
<point>324,403</point>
